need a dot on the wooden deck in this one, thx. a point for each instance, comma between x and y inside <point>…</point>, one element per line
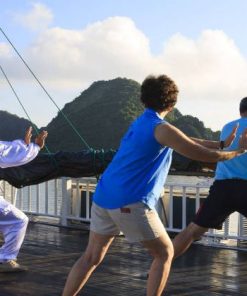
<point>50,251</point>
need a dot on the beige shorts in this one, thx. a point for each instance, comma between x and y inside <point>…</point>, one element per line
<point>137,222</point>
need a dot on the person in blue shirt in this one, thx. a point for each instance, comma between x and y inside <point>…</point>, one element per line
<point>228,192</point>
<point>128,190</point>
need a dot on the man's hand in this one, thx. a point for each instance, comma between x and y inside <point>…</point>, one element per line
<point>28,135</point>
<point>228,141</point>
<point>242,144</point>
<point>40,139</point>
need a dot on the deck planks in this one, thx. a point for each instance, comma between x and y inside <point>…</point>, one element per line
<point>50,251</point>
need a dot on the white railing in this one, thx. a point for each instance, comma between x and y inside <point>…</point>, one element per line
<point>182,201</point>
<point>69,200</point>
<point>66,199</point>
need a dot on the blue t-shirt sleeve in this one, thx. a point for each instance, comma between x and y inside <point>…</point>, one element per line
<point>226,131</point>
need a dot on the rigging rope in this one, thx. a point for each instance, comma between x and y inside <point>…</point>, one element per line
<point>17,97</point>
<point>49,96</point>
<point>99,157</point>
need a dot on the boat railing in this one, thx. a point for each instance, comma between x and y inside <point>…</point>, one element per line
<point>68,201</point>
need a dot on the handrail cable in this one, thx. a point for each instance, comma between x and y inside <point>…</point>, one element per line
<point>41,85</point>
<point>24,109</point>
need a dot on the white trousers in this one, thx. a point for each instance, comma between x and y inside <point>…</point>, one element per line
<point>13,225</point>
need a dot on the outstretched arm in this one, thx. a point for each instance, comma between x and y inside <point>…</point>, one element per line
<point>168,135</point>
<point>20,152</point>
<point>218,144</point>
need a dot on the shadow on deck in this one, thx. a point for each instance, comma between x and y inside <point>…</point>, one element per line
<point>50,251</point>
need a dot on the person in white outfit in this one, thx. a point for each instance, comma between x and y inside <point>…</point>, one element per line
<point>13,222</point>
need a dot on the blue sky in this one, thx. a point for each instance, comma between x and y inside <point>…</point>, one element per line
<point>159,20</point>
<point>200,44</point>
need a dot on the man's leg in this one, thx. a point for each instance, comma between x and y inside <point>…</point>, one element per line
<point>97,247</point>
<point>13,225</point>
<point>162,251</point>
<point>185,238</point>
<point>212,213</point>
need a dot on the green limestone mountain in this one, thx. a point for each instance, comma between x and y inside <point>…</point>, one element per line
<point>102,114</point>
<point>12,127</point>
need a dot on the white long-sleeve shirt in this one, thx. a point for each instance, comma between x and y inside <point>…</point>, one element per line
<point>17,153</point>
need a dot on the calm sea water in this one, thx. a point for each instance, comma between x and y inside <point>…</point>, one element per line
<point>192,180</point>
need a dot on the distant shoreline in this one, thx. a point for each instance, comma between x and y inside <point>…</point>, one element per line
<point>187,173</point>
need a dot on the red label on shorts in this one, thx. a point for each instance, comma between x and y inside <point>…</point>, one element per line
<point>125,210</point>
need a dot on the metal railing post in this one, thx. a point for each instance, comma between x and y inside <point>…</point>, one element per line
<point>66,196</point>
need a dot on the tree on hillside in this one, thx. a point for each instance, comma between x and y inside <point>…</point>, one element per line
<point>12,127</point>
<point>102,114</point>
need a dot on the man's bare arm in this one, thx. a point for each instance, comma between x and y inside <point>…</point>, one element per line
<point>168,135</point>
<point>207,143</point>
<point>217,144</point>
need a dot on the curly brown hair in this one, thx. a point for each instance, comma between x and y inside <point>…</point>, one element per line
<point>159,93</point>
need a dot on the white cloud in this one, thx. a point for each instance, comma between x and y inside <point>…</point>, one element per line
<point>5,58</point>
<point>212,64</point>
<point>4,50</point>
<point>38,18</point>
<point>210,71</point>
<point>211,74</point>
<point>114,47</point>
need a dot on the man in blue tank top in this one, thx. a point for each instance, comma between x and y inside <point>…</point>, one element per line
<point>128,190</point>
<point>228,192</point>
